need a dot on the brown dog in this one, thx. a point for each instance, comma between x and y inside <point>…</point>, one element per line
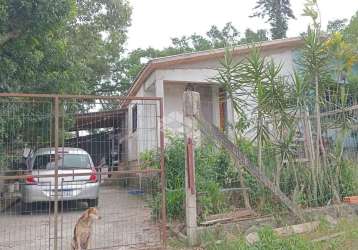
<point>83,229</point>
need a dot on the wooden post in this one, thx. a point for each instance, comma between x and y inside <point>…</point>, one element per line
<point>191,102</point>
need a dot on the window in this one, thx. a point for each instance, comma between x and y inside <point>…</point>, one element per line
<point>66,161</point>
<point>134,118</point>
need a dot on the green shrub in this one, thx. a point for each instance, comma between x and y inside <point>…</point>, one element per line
<point>214,171</point>
<point>215,201</point>
<point>348,179</point>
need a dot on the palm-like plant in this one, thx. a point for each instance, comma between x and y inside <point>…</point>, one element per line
<point>314,65</point>
<point>258,91</point>
<point>301,100</point>
<point>229,78</point>
<point>281,114</point>
<point>254,75</point>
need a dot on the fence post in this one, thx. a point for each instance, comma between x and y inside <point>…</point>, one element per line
<point>163,182</point>
<point>191,107</point>
<point>56,131</point>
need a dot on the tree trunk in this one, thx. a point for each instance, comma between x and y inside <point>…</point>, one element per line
<point>317,172</point>
<point>308,138</point>
<point>278,170</point>
<point>242,181</point>
<point>244,192</point>
<point>311,153</point>
<point>259,141</point>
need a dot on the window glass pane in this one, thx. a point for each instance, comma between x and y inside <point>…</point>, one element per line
<point>67,161</point>
<point>134,118</point>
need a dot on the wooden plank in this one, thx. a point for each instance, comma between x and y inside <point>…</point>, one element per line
<point>229,217</point>
<point>213,132</point>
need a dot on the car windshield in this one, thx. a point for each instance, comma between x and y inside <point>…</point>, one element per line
<point>65,161</point>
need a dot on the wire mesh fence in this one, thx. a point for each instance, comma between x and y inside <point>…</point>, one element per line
<point>60,155</point>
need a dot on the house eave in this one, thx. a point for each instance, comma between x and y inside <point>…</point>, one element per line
<point>169,61</point>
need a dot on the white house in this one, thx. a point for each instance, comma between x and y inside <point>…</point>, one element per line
<point>168,77</point>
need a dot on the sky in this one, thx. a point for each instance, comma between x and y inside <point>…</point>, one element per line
<point>154,22</point>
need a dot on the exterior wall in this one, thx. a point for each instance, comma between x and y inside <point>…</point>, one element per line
<point>146,136</point>
<point>173,107</point>
<point>173,103</point>
<point>170,84</point>
<point>205,70</point>
<point>284,56</point>
<point>133,135</point>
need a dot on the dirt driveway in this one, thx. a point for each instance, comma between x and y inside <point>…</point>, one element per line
<point>126,224</point>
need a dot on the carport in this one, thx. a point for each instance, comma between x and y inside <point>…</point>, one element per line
<point>102,134</point>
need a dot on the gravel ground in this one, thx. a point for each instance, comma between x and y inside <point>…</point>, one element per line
<point>126,224</point>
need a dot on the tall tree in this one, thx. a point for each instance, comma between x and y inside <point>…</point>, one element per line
<point>277,13</point>
<point>62,46</point>
<point>19,18</point>
<point>351,31</point>
<point>96,37</point>
<point>31,43</point>
<point>314,63</point>
<point>229,35</point>
<point>128,67</point>
<point>252,36</point>
<point>336,25</point>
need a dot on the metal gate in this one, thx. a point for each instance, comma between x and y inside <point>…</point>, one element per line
<point>61,154</point>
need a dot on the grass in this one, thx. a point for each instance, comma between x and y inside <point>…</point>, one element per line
<point>219,240</point>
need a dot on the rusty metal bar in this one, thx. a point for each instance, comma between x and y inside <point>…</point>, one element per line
<point>81,97</point>
<point>162,173</point>
<point>120,172</point>
<point>190,164</point>
<point>56,135</point>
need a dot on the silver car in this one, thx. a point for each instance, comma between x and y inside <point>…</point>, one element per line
<point>79,180</point>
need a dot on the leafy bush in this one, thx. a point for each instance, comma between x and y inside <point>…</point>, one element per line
<point>214,171</point>
<point>214,202</point>
<point>348,183</point>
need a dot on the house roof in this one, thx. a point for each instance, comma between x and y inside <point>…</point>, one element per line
<point>170,61</point>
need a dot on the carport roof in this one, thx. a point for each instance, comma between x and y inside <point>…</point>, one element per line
<point>102,119</point>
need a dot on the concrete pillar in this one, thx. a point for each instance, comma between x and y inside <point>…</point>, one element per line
<point>191,101</point>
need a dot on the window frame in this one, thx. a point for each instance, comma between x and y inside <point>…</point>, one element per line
<point>134,118</point>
